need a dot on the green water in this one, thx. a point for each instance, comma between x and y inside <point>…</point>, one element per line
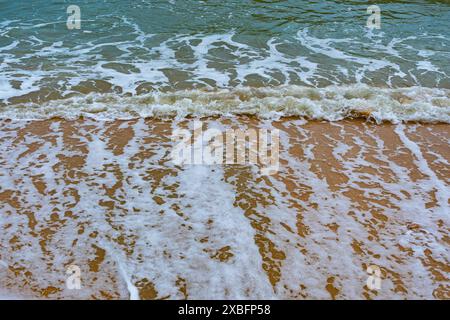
<point>137,47</point>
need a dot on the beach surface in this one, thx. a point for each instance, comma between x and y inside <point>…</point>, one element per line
<point>104,196</point>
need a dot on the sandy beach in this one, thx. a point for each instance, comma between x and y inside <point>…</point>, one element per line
<point>104,196</point>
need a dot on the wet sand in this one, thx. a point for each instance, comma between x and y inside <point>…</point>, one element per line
<point>104,196</point>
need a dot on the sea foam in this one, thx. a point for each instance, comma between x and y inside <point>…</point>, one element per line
<point>330,103</point>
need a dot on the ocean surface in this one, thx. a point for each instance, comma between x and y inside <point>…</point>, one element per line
<point>271,58</point>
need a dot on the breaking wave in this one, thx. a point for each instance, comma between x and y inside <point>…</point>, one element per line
<point>330,103</point>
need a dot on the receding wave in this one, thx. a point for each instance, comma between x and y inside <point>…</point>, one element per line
<point>330,103</point>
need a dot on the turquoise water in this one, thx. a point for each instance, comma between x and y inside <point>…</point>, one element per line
<point>133,48</point>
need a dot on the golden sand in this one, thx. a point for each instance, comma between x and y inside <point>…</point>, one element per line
<point>348,195</point>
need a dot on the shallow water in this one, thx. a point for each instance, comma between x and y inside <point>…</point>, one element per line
<point>105,196</point>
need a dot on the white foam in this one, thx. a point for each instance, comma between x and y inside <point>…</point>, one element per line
<point>177,238</point>
<point>442,190</point>
<point>4,295</point>
<point>222,60</point>
<point>330,103</point>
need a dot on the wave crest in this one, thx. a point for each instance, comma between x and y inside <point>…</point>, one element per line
<point>330,103</point>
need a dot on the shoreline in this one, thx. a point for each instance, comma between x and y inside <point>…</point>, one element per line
<point>363,116</point>
<point>333,103</point>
